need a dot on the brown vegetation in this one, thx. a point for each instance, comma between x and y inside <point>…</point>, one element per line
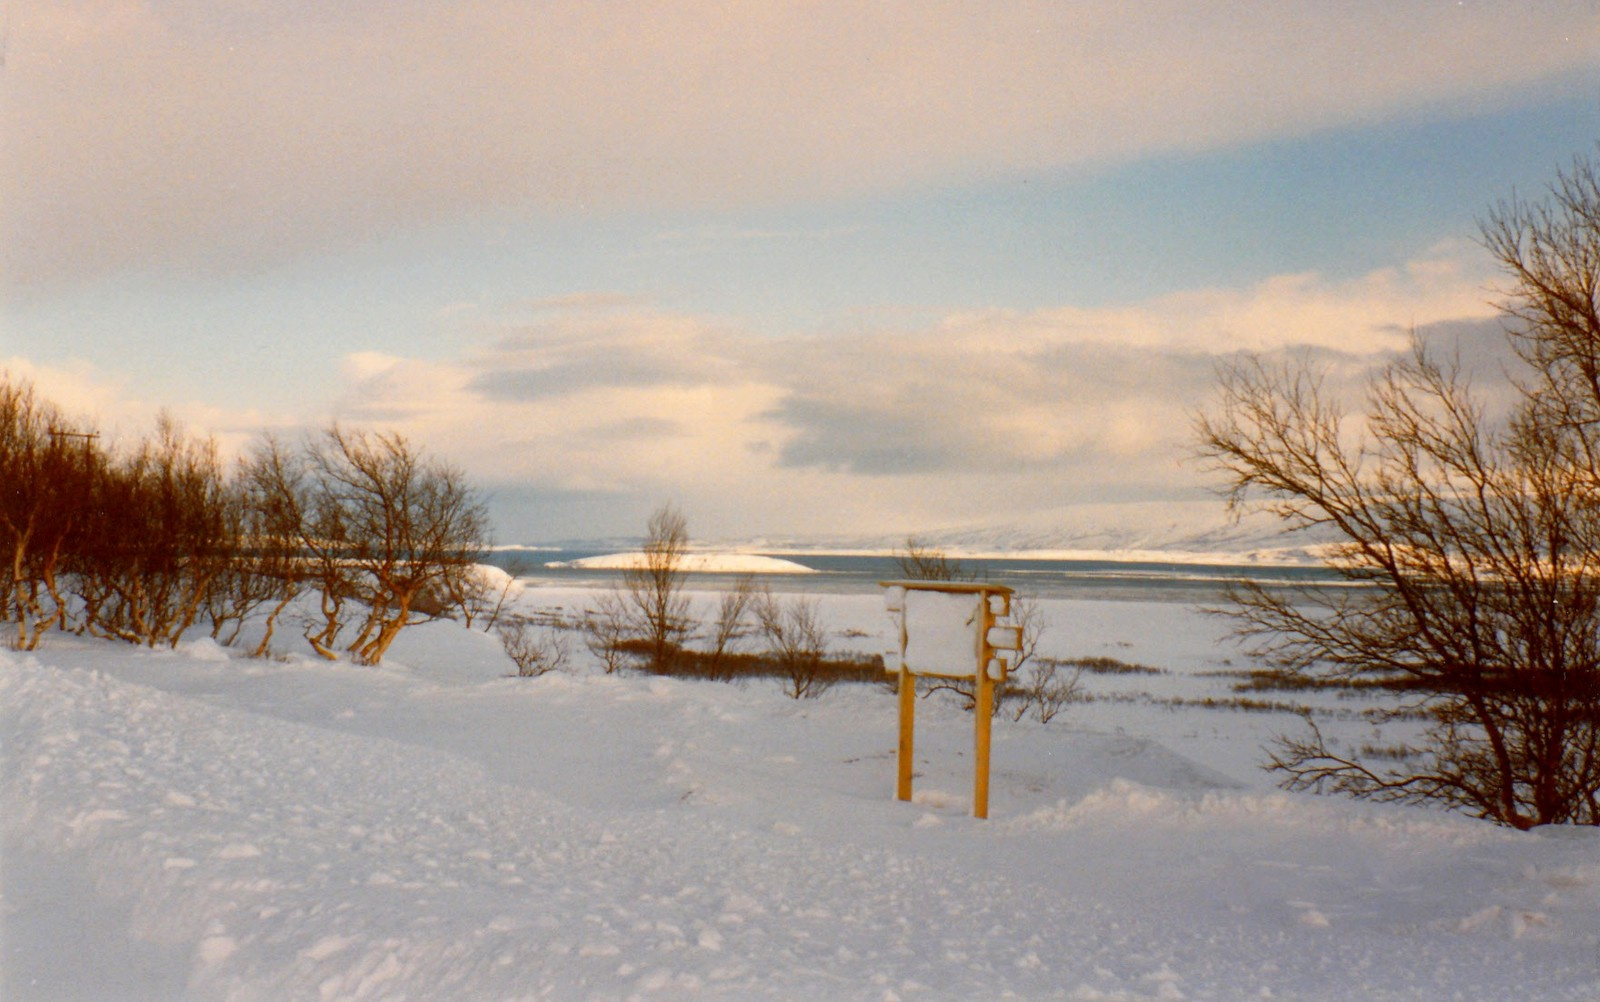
<point>139,544</point>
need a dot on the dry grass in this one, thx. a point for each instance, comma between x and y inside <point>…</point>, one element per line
<point>1104,666</point>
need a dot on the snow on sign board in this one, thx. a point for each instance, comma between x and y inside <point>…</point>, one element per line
<point>938,630</point>
<point>940,634</point>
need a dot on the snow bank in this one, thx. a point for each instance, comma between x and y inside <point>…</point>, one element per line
<point>495,580</point>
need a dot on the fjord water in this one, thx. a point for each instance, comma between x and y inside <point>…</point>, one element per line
<point>1116,580</point>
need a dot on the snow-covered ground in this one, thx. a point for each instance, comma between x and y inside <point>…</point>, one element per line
<point>191,824</point>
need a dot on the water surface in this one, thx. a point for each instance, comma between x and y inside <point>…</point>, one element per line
<point>1116,580</point>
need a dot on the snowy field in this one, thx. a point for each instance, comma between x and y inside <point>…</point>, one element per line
<point>192,824</point>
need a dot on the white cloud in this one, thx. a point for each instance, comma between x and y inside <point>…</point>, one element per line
<point>1370,312</point>
<point>227,135</point>
<point>106,403</point>
<point>978,415</point>
<point>77,389</point>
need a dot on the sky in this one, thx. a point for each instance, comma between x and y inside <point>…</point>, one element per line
<point>802,269</point>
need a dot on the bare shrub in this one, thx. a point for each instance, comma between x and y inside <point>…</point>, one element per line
<point>605,630</point>
<point>1026,613</point>
<point>730,627</point>
<point>534,651</point>
<point>797,641</point>
<point>1043,690</point>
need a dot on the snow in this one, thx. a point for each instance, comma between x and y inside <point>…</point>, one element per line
<point>194,824</point>
<point>496,580</point>
<point>940,632</point>
<point>693,563</point>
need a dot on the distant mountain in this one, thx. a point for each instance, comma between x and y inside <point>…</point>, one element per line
<point>1168,531</point>
<point>1201,528</point>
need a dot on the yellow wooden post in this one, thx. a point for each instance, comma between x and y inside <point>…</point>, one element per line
<point>980,774</point>
<point>908,713</point>
<point>984,709</point>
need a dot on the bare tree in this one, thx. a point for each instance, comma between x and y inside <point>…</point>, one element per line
<point>1478,539</point>
<point>47,467</point>
<point>242,586</point>
<point>162,539</point>
<point>303,536</point>
<point>370,523</point>
<point>407,523</point>
<point>285,551</point>
<point>146,539</point>
<point>654,587</point>
<point>152,538</point>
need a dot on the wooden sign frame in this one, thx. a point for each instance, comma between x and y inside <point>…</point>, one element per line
<point>989,639</point>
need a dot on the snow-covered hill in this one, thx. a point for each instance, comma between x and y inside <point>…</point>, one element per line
<point>1190,530</point>
<point>693,562</point>
<point>1176,531</point>
<point>189,824</point>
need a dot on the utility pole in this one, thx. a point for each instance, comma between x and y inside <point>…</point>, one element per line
<point>56,434</point>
